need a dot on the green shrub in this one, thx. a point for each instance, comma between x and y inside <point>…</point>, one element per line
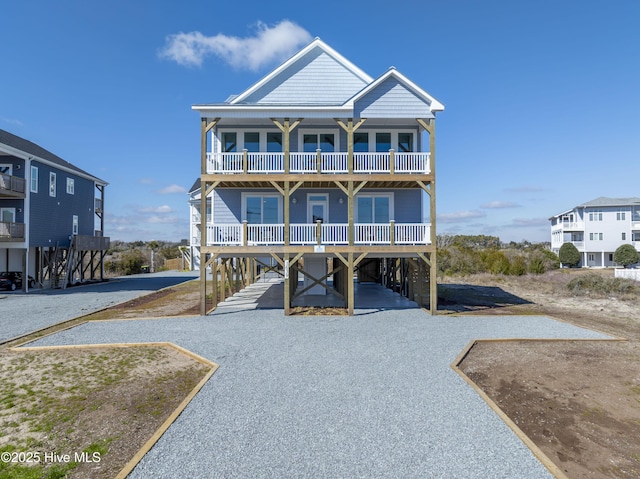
<point>594,284</point>
<point>131,262</point>
<point>537,263</point>
<point>551,259</point>
<point>569,255</point>
<point>496,262</point>
<point>625,255</point>
<point>518,266</point>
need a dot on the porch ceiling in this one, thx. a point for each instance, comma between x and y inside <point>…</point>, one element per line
<point>318,181</point>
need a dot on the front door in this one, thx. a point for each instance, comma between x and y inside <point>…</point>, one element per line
<point>317,208</point>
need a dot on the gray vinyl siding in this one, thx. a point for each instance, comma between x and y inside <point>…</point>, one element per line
<point>227,205</point>
<point>391,99</point>
<point>407,205</point>
<point>51,218</point>
<point>316,79</point>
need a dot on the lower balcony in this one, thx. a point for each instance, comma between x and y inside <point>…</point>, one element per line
<point>319,234</point>
<point>11,231</point>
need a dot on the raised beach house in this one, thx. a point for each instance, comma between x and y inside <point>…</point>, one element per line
<point>324,174</point>
<point>51,216</point>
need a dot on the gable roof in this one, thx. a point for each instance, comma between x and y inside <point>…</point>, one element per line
<point>434,104</point>
<point>318,82</point>
<point>343,68</point>
<point>38,153</point>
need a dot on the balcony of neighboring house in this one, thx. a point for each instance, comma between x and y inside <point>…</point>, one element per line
<point>568,226</point>
<point>196,218</point>
<point>319,234</point>
<point>98,205</point>
<point>10,231</point>
<point>319,162</point>
<point>11,186</point>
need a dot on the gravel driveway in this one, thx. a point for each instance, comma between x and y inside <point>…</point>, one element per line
<point>371,395</point>
<point>22,313</point>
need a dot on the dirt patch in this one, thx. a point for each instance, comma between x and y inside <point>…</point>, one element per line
<point>578,401</point>
<point>84,412</point>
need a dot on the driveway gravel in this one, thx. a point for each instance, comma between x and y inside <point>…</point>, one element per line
<point>371,395</point>
<point>23,313</point>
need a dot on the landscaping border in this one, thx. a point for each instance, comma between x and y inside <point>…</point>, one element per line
<point>137,457</point>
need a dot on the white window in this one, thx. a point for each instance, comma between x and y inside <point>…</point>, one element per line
<point>620,216</point>
<point>374,208</point>
<point>595,216</point>
<point>52,184</point>
<point>75,224</point>
<point>70,185</point>
<point>34,179</point>
<point>252,141</point>
<point>624,236</point>
<point>262,208</point>
<point>327,142</point>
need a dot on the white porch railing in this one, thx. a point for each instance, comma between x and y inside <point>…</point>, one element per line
<point>230,235</point>
<point>307,163</point>
<point>330,234</point>
<point>265,234</point>
<point>412,233</point>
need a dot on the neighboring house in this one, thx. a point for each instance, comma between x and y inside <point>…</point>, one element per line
<point>51,215</point>
<point>326,172</point>
<point>193,250</point>
<point>597,228</point>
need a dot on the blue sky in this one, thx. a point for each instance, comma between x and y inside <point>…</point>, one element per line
<point>542,97</point>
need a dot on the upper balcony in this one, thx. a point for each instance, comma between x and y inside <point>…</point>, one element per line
<point>568,226</point>
<point>11,186</point>
<point>11,231</point>
<point>319,163</point>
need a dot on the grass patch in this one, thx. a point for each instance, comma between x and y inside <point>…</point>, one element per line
<point>85,403</point>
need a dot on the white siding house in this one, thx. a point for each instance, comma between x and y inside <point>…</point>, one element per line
<point>597,228</point>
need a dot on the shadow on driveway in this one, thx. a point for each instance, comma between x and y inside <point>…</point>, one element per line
<point>466,297</point>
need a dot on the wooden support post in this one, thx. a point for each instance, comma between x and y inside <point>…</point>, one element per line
<point>223,279</point>
<point>318,232</point>
<point>287,212</point>
<point>392,232</point>
<point>392,161</point>
<point>245,230</point>
<point>214,282</point>
<point>319,160</point>
<point>287,286</point>
<point>350,285</point>
<point>245,161</point>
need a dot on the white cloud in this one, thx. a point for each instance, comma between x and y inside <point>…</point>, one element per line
<point>529,223</point>
<point>156,209</point>
<point>146,181</point>
<point>460,216</point>
<point>171,189</point>
<point>500,204</point>
<point>163,220</point>
<point>268,45</point>
<point>12,121</point>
